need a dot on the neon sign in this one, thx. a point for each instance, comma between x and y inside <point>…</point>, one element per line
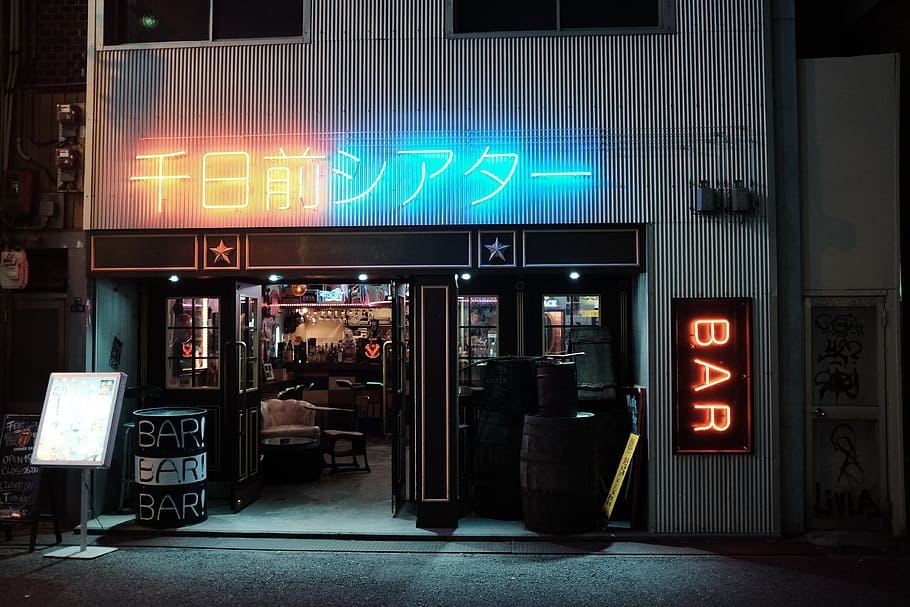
<point>712,396</point>
<point>268,176</point>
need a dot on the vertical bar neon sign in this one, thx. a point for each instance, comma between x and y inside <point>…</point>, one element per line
<point>712,368</point>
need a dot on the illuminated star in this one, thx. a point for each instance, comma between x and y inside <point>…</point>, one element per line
<point>221,252</point>
<point>496,249</point>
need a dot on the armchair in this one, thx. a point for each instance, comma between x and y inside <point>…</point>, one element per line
<point>299,418</point>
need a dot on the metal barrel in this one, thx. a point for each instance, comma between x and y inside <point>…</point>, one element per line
<point>170,466</point>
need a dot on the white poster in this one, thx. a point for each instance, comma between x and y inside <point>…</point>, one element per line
<point>78,421</point>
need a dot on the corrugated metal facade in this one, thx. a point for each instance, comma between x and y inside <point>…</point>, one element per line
<point>659,112</point>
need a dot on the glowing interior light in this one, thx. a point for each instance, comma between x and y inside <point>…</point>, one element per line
<point>466,276</point>
<point>711,331</point>
<point>711,423</point>
<point>574,275</point>
<point>160,177</point>
<point>173,278</point>
<point>362,277</point>
<point>540,174</point>
<point>274,277</point>
<point>232,183</point>
<point>708,370</point>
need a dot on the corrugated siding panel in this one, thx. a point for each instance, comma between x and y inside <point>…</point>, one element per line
<point>663,112</point>
<point>659,111</point>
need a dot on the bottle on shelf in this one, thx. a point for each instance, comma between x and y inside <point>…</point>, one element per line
<point>289,351</point>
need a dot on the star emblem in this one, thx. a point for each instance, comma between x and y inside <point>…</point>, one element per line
<point>496,249</point>
<point>221,252</point>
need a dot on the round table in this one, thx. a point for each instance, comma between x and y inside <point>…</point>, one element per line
<point>291,457</point>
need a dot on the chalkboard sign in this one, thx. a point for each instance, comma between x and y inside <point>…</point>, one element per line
<point>79,419</point>
<point>19,479</point>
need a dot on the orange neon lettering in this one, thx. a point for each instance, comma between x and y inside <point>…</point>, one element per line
<point>278,185</point>
<point>226,180</point>
<point>315,203</point>
<point>278,181</point>
<point>711,331</point>
<point>160,177</point>
<point>711,423</point>
<point>709,369</point>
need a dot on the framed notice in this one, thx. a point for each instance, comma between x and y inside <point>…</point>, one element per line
<point>20,480</point>
<point>78,422</point>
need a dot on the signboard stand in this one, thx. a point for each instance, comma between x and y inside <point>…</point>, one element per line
<point>81,551</point>
<point>77,430</point>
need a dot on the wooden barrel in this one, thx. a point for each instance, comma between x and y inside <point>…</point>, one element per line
<point>557,395</point>
<point>509,385</point>
<point>497,451</point>
<point>170,466</point>
<point>559,473</point>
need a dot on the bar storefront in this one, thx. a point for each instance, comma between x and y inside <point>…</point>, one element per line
<point>410,222</point>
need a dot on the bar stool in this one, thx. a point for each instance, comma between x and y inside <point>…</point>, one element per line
<point>356,440</point>
<point>127,468</point>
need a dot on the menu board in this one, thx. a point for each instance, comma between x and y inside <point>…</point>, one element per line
<point>20,480</point>
<point>78,422</point>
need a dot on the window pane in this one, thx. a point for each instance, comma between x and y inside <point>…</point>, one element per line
<point>504,15</point>
<point>192,338</point>
<point>128,21</point>
<point>588,15</point>
<point>263,19</point>
<point>478,334</point>
<point>560,313</point>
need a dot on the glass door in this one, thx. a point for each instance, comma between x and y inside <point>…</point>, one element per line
<point>242,397</point>
<point>396,363</point>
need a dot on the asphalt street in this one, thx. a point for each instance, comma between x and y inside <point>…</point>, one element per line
<point>288,571</point>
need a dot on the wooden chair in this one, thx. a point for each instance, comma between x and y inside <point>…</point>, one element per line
<point>346,443</point>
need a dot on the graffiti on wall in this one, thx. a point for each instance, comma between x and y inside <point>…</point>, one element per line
<point>846,482</point>
<point>845,385</point>
<point>843,356</point>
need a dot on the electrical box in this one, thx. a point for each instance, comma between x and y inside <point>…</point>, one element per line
<point>69,117</point>
<point>69,149</point>
<point>18,194</point>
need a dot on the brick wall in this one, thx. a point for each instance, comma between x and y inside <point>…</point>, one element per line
<point>54,39</point>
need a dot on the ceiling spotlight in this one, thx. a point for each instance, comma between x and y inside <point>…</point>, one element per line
<point>173,278</point>
<point>574,275</point>
<point>274,278</point>
<point>362,277</point>
<point>466,276</point>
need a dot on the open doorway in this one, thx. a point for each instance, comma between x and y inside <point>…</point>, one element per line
<point>342,350</point>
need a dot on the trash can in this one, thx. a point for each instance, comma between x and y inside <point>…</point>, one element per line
<point>170,466</point>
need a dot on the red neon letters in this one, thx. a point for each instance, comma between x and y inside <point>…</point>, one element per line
<point>712,400</point>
